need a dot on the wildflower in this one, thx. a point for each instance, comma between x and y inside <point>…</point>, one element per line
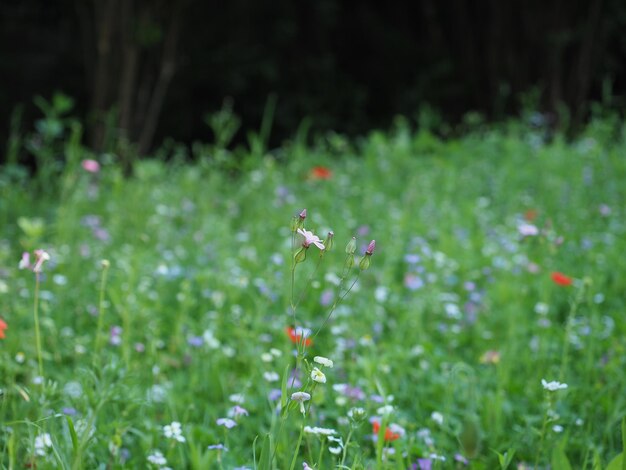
<point>296,334</point>
<point>90,166</point>
<point>356,414</point>
<point>323,361</point>
<point>218,447</point>
<point>318,376</point>
<point>174,431</point>
<point>437,417</point>
<point>237,398</point>
<point>424,464</point>
<point>557,428</point>
<point>527,230</point>
<point>43,442</point>
<point>320,173</point>
<point>335,450</point>
<point>490,357</point>
<point>41,257</point>
<point>319,431</point>
<point>305,466</point>
<point>553,386</point>
<point>25,261</point>
<point>561,279</point>
<point>157,458</point>
<point>237,411</point>
<point>370,248</point>
<point>392,433</point>
<point>271,376</point>
<point>302,215</point>
<point>310,238</point>
<point>301,397</point>
<point>226,422</point>
<point>365,261</point>
<point>3,327</point>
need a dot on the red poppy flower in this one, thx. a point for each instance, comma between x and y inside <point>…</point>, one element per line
<point>561,279</point>
<point>296,337</point>
<point>389,434</point>
<point>530,215</point>
<point>3,326</point>
<point>321,173</point>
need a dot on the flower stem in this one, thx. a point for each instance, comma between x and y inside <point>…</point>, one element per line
<point>295,453</point>
<point>36,317</point>
<point>103,280</point>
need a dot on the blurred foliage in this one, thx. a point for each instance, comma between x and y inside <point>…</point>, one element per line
<point>348,66</point>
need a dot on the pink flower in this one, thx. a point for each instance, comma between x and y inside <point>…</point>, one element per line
<point>90,166</point>
<point>309,238</point>
<point>527,230</point>
<point>370,248</point>
<point>41,257</point>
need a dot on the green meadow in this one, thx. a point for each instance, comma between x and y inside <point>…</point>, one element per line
<point>175,318</point>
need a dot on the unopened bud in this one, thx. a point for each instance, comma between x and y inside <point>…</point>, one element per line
<point>351,246</point>
<point>330,239</point>
<point>364,263</point>
<point>370,248</point>
<point>302,214</point>
<point>349,261</point>
<point>300,255</point>
<point>105,263</point>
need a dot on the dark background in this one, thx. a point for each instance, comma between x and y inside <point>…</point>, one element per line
<point>146,70</point>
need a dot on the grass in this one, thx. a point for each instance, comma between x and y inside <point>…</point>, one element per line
<point>439,349</point>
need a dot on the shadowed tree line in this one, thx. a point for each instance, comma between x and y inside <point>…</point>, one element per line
<point>143,70</point>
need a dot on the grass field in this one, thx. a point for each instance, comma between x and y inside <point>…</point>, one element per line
<point>499,262</point>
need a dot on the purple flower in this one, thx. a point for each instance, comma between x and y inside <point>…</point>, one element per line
<point>218,447</point>
<point>226,422</point>
<point>413,282</point>
<point>237,411</point>
<point>424,464</point>
<point>274,394</point>
<point>195,341</point>
<point>327,297</point>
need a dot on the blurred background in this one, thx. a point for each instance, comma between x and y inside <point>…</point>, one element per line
<point>146,70</point>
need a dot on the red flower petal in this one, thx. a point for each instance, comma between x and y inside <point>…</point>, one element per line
<point>561,279</point>
<point>321,173</point>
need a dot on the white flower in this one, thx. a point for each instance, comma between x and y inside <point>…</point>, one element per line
<point>319,431</point>
<point>437,417</point>
<point>271,376</point>
<point>43,442</point>
<point>318,376</point>
<point>237,398</point>
<point>335,450</point>
<point>385,410</point>
<point>157,458</point>
<point>300,397</point>
<point>323,361</point>
<point>557,428</point>
<point>174,431</point>
<point>309,238</point>
<point>553,386</point>
<point>527,230</point>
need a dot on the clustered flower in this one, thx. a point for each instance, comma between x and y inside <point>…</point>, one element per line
<point>174,431</point>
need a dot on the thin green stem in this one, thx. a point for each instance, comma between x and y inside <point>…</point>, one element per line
<point>295,452</point>
<point>336,304</point>
<point>103,280</point>
<point>345,447</point>
<point>37,332</point>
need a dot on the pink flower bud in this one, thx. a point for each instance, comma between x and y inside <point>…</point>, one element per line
<point>370,248</point>
<point>302,214</point>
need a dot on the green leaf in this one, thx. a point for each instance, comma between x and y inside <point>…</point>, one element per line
<point>559,459</point>
<point>617,463</point>
<point>506,458</point>
<point>73,435</point>
<point>265,460</point>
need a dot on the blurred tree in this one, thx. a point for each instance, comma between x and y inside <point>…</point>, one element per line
<point>130,59</point>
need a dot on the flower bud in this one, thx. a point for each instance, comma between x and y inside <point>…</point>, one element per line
<point>105,263</point>
<point>330,238</point>
<point>351,246</point>
<point>364,263</point>
<point>370,248</point>
<point>300,255</point>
